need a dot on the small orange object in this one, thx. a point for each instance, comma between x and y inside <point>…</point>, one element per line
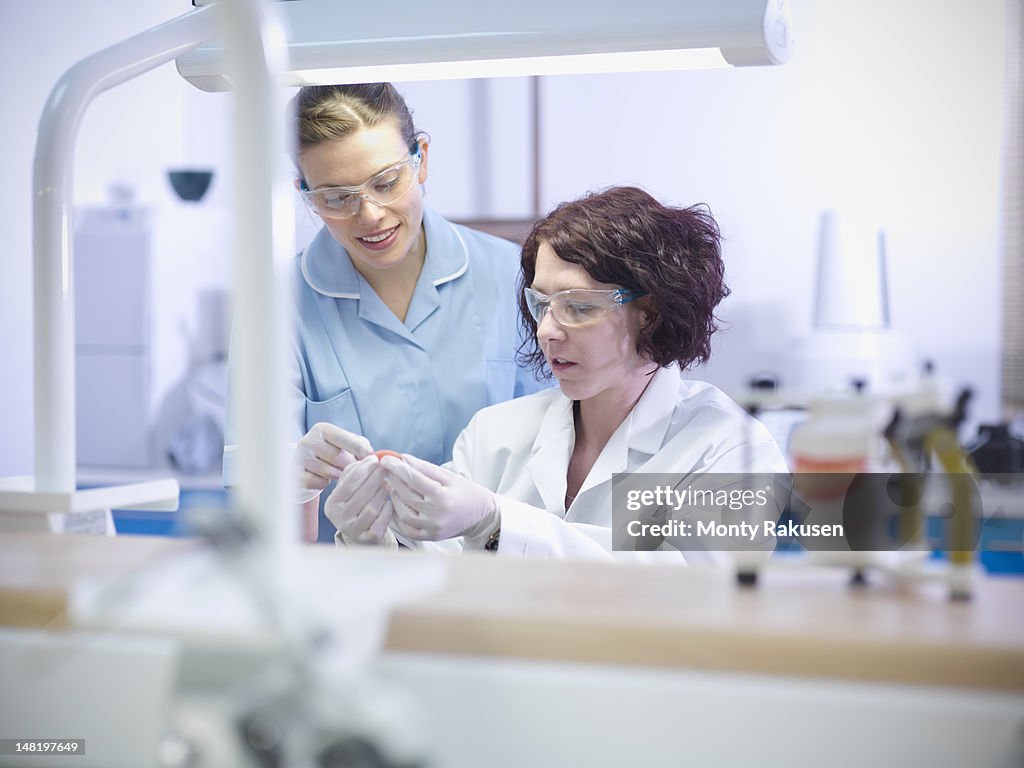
<point>381,454</point>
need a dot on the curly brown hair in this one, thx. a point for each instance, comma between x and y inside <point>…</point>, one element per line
<point>623,236</point>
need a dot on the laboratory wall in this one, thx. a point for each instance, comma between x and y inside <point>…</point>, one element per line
<point>128,139</point>
<point>889,113</point>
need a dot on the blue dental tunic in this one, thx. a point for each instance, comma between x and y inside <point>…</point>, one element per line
<point>409,387</point>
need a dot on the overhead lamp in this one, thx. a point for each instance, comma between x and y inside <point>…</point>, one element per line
<point>333,42</point>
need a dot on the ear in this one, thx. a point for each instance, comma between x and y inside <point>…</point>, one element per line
<point>297,181</point>
<point>424,152</point>
<point>645,311</point>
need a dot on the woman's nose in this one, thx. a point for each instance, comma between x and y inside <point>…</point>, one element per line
<point>547,326</point>
<point>369,211</point>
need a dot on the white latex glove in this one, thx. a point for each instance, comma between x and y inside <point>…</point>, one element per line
<point>323,453</point>
<point>359,506</point>
<point>432,503</point>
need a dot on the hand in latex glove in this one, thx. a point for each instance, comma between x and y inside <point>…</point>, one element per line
<point>432,503</point>
<point>359,506</point>
<point>324,452</point>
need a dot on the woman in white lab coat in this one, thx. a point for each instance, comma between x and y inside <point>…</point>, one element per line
<point>619,298</point>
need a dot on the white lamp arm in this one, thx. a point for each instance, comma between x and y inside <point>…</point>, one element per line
<point>264,236</point>
<point>54,312</point>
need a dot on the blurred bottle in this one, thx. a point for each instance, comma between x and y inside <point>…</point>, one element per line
<point>842,434</point>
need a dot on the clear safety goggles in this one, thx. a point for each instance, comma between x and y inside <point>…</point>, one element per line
<point>577,306</point>
<point>386,188</point>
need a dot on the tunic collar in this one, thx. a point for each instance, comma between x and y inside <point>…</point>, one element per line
<point>328,270</point>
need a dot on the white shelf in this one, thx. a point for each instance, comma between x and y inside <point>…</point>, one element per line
<point>18,495</point>
<point>89,474</point>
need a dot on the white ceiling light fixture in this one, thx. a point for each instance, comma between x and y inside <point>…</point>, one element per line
<point>335,42</point>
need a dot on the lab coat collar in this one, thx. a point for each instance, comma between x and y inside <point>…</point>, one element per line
<point>328,270</point>
<point>643,431</point>
<point>552,449</point>
<point>649,420</point>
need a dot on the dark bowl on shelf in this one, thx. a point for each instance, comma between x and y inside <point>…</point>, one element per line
<point>190,185</point>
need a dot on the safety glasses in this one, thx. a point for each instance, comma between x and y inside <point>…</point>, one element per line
<point>578,306</point>
<point>386,188</point>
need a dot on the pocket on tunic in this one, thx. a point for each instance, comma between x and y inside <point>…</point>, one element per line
<point>501,380</point>
<point>340,410</point>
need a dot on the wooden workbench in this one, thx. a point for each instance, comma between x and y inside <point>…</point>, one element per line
<point>798,622</point>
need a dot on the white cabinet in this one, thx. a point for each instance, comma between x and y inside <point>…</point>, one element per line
<point>113,338</point>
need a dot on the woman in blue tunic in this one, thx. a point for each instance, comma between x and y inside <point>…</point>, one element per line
<point>406,322</point>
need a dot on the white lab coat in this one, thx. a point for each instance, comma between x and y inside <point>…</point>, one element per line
<point>520,449</point>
